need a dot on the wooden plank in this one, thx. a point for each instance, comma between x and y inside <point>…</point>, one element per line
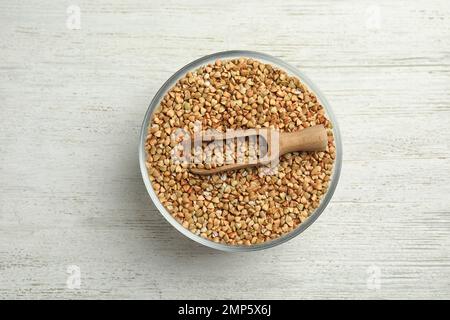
<point>73,102</point>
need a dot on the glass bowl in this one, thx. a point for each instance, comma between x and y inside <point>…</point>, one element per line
<point>227,55</point>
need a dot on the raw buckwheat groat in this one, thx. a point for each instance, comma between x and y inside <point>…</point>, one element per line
<point>239,207</point>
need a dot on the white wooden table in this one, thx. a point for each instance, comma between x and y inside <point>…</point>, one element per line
<point>72,102</point>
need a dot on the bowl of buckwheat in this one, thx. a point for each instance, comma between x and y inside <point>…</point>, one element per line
<point>252,207</point>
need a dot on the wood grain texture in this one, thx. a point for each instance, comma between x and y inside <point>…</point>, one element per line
<point>72,102</point>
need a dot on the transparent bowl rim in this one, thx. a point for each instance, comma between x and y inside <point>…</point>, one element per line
<point>226,55</point>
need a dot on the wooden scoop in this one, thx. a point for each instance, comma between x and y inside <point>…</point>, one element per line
<point>310,139</point>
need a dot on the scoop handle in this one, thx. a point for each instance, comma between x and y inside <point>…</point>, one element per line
<point>313,138</point>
